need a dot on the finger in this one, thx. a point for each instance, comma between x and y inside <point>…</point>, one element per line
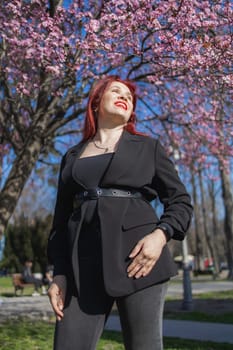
<point>134,265</point>
<point>59,312</point>
<point>134,271</point>
<point>136,249</point>
<point>57,306</point>
<point>137,266</point>
<point>61,303</point>
<point>140,259</point>
<point>145,270</point>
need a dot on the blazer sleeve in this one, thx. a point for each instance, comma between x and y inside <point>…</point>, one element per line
<point>57,248</point>
<point>178,210</point>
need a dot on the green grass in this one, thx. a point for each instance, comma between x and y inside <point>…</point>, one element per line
<point>5,282</point>
<point>200,317</point>
<point>39,336</point>
<point>228,294</point>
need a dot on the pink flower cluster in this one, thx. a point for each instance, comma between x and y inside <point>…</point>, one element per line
<point>180,50</point>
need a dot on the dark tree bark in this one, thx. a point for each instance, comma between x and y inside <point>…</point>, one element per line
<point>228,220</point>
<point>53,4</point>
<point>20,172</point>
<point>208,234</point>
<point>197,224</point>
<point>215,226</point>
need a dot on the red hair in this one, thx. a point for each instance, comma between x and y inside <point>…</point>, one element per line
<point>96,94</point>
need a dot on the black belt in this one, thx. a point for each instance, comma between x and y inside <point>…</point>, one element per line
<point>95,193</point>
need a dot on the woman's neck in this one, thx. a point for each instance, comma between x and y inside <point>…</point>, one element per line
<point>104,135</point>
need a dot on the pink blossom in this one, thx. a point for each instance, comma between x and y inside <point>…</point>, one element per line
<point>180,53</point>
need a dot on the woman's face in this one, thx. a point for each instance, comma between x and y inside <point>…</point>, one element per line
<point>116,104</point>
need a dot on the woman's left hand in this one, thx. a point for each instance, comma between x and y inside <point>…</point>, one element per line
<point>146,253</point>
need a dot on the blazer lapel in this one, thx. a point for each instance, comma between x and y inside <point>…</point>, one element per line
<point>72,156</point>
<point>77,150</point>
<point>124,158</point>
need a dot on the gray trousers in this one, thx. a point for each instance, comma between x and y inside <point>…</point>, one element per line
<point>85,315</point>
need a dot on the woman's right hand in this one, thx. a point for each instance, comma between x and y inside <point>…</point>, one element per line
<point>57,294</point>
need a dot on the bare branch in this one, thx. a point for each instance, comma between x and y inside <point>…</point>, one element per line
<point>61,121</point>
<point>6,135</point>
<point>53,4</point>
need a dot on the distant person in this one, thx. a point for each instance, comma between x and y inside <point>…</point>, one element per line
<point>28,277</point>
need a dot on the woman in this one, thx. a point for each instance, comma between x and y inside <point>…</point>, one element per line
<point>107,244</point>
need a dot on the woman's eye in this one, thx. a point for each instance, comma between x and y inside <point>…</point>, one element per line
<point>129,97</point>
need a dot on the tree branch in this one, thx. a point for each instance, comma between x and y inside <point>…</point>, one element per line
<point>53,4</point>
<point>61,121</point>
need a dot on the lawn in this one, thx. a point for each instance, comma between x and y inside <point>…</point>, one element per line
<point>200,317</point>
<point>38,336</point>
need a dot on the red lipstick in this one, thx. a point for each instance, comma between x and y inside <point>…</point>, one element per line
<point>121,104</point>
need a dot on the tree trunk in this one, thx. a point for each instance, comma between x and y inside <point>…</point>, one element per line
<point>19,174</point>
<point>215,227</point>
<point>228,220</point>
<point>208,236</point>
<point>196,225</point>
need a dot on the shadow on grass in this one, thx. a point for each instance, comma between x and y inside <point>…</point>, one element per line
<point>7,295</point>
<point>18,294</point>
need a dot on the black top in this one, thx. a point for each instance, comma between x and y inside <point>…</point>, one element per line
<point>89,171</point>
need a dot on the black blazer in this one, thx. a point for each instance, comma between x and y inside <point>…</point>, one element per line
<point>140,163</point>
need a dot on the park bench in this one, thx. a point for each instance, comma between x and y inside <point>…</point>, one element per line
<point>19,284</point>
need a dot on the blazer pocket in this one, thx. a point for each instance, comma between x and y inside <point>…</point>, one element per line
<point>133,220</point>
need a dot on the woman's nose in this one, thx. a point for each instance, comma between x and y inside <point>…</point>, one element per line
<point>122,97</point>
